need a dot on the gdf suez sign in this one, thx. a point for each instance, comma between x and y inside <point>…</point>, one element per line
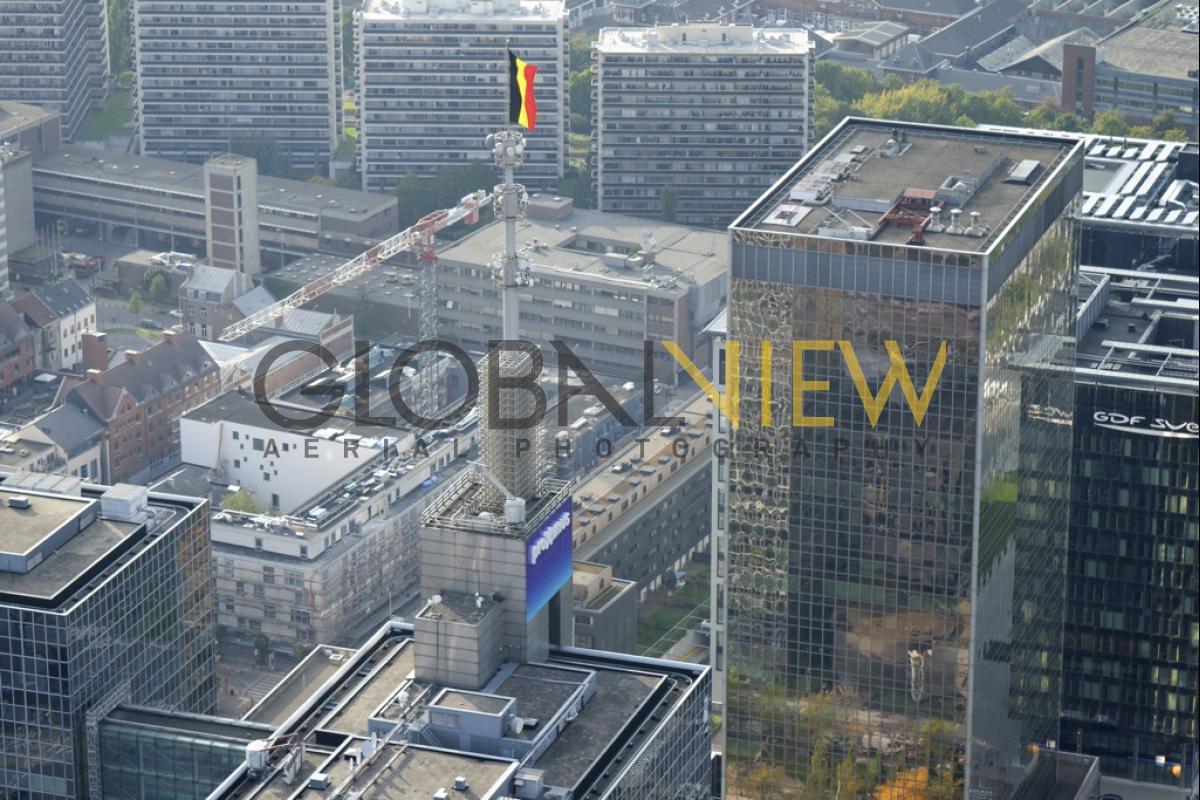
<point>1146,426</point>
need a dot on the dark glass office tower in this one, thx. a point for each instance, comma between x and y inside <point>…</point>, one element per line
<point>105,598</point>
<point>1132,628</point>
<point>895,554</point>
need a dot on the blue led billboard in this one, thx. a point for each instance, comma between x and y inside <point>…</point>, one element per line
<point>548,559</point>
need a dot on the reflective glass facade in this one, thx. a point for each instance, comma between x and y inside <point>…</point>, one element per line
<point>145,764</point>
<point>1132,629</point>
<point>676,763</point>
<point>143,634</point>
<point>895,586</point>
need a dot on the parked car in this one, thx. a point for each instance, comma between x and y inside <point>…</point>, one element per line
<point>151,325</point>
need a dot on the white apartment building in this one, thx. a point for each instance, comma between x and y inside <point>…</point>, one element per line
<point>62,314</point>
<point>345,560</point>
<point>717,112</point>
<point>54,54</point>
<point>284,469</point>
<point>211,75</point>
<point>433,82</point>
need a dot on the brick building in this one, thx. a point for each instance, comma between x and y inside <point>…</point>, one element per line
<point>16,350</point>
<point>140,400</point>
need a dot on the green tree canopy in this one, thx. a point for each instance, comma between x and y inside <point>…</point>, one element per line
<point>581,101</point>
<point>418,197</point>
<point>580,54</point>
<point>845,84</point>
<point>242,501</point>
<point>135,302</point>
<point>1110,123</point>
<point>159,289</point>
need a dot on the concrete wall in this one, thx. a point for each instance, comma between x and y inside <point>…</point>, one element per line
<point>18,201</point>
<point>293,466</point>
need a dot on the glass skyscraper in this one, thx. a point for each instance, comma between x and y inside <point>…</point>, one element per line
<point>105,598</point>
<point>1132,634</point>
<point>893,560</point>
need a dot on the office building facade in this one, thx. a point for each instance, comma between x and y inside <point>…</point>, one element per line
<point>1132,637</point>
<point>603,284</point>
<point>112,606</point>
<point>894,568</point>
<point>711,114</point>
<point>433,83</point>
<point>160,204</point>
<point>54,53</point>
<point>219,77</point>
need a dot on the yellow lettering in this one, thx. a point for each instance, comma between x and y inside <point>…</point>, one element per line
<point>919,405</point>
<point>898,373</point>
<point>727,405</point>
<point>800,386</point>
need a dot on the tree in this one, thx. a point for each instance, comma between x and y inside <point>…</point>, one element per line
<point>348,41</point>
<point>910,784</point>
<point>119,52</point>
<point>135,302</point>
<point>1050,117</point>
<point>1163,122</point>
<point>272,159</point>
<point>669,198</point>
<point>409,190</point>
<point>160,291</point>
<point>262,646</point>
<point>848,784</point>
<point>963,121</point>
<point>581,101</point>
<point>242,501</point>
<point>418,197</point>
<point>846,84</point>
<point>992,108</point>
<point>923,101</point>
<point>1110,123</point>
<point>817,781</point>
<point>577,184</point>
<point>827,111</point>
<point>580,53</point>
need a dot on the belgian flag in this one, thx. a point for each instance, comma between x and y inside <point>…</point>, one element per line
<point>522,108</point>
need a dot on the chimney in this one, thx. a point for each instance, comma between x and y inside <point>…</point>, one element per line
<point>170,334</point>
<point>93,375</point>
<point>95,351</point>
<point>131,356</point>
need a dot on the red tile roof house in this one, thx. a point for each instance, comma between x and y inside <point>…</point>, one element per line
<point>140,400</point>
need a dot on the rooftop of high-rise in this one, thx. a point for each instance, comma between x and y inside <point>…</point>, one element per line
<point>926,186</point>
<point>701,38</point>
<point>448,10</point>
<point>62,538</point>
<point>1137,328</point>
<point>576,721</point>
<point>1141,184</point>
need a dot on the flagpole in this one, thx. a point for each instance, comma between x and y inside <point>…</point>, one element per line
<point>509,154</point>
<point>507,84</point>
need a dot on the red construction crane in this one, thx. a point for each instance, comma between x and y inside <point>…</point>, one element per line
<point>421,235</point>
